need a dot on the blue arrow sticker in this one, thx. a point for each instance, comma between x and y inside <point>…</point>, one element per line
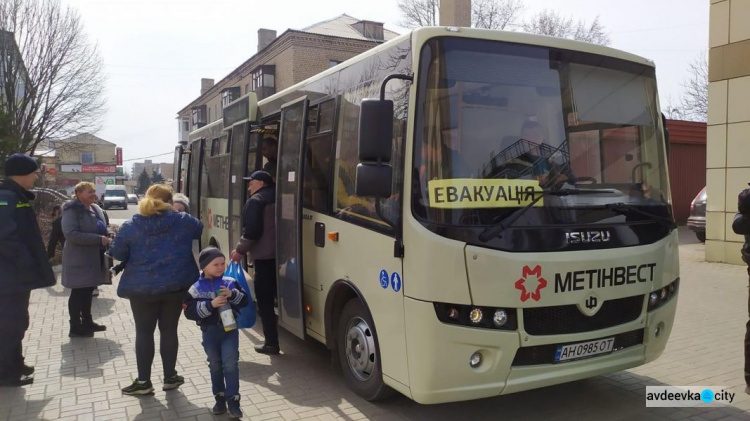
<point>396,281</point>
<point>384,279</point>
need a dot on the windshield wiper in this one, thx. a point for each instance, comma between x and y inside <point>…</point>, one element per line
<point>624,208</point>
<point>497,229</point>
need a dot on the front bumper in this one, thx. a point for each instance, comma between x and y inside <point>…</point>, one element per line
<point>115,203</point>
<point>697,223</point>
<point>439,355</point>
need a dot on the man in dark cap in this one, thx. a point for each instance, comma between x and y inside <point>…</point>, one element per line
<point>259,239</point>
<point>23,265</point>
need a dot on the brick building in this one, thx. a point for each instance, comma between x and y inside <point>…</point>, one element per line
<point>281,62</point>
<point>165,169</point>
<point>84,157</point>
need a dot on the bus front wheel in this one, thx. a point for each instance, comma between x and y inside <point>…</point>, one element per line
<point>358,352</point>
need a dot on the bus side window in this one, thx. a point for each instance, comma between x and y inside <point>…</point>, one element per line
<point>316,187</point>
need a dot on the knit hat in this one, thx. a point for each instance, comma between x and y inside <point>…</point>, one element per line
<point>19,164</point>
<point>207,256</point>
<point>183,200</point>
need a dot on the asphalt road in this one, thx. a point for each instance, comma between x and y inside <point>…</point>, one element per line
<point>118,216</point>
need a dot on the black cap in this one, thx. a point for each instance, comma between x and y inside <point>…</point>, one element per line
<point>260,176</point>
<point>207,256</point>
<point>20,164</point>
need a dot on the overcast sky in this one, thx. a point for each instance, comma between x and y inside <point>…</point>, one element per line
<point>156,51</point>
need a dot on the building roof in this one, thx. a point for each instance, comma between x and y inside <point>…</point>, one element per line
<point>87,139</point>
<point>681,131</point>
<point>338,27</point>
<point>343,26</point>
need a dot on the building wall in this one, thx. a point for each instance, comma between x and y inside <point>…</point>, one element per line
<point>296,56</point>
<point>104,154</point>
<point>728,157</point>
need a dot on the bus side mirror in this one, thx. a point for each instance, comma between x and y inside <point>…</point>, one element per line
<point>373,180</point>
<point>374,175</point>
<point>375,130</point>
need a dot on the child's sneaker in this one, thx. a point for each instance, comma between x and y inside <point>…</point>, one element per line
<point>139,388</point>
<point>173,382</point>
<point>221,404</point>
<point>234,407</point>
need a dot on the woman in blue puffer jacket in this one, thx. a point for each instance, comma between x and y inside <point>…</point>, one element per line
<point>157,245</point>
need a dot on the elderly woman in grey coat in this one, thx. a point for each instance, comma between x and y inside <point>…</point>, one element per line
<point>83,264</point>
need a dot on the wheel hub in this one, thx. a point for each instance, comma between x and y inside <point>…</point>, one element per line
<point>360,349</point>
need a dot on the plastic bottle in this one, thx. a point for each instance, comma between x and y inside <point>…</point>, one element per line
<point>227,316</point>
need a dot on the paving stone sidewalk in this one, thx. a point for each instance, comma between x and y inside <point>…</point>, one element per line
<point>80,379</point>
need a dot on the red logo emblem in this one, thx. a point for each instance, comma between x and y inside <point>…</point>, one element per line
<point>210,218</point>
<point>536,294</point>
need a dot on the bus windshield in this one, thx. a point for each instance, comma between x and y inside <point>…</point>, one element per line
<point>497,123</point>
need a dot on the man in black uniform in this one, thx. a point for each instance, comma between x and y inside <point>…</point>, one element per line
<point>259,239</point>
<point>23,265</point>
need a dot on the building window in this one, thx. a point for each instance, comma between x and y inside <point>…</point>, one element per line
<point>229,94</point>
<point>87,158</point>
<point>264,77</point>
<point>332,63</point>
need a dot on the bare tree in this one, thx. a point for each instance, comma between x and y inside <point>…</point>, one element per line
<point>495,14</point>
<point>553,24</point>
<point>693,104</point>
<point>52,77</point>
<point>416,13</point>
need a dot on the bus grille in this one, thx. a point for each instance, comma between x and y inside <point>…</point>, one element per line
<point>545,354</point>
<point>558,320</point>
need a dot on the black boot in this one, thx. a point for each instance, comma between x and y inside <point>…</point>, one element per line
<point>88,323</point>
<point>77,330</point>
<point>221,404</point>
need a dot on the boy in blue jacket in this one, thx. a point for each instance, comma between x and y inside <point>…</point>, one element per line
<point>202,303</point>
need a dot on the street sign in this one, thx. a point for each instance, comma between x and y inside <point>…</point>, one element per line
<point>107,169</point>
<point>101,183</point>
<point>70,168</point>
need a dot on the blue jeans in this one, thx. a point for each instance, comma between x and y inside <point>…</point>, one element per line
<point>223,351</point>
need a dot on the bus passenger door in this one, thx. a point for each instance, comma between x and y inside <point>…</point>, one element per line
<point>194,181</point>
<point>289,216</point>
<point>177,170</point>
<point>237,186</point>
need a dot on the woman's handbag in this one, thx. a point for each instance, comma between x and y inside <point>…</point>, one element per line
<point>246,318</point>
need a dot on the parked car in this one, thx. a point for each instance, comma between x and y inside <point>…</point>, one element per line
<point>697,219</point>
<point>115,196</point>
<point>133,198</point>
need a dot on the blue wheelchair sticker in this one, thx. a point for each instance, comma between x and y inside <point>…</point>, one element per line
<point>384,279</point>
<point>396,282</point>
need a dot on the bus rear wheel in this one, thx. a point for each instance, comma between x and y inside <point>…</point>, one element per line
<point>358,353</point>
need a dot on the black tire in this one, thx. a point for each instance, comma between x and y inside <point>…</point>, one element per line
<point>701,235</point>
<point>361,369</point>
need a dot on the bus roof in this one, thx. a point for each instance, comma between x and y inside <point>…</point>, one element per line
<point>421,35</point>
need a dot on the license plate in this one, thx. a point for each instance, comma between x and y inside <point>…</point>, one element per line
<point>584,349</point>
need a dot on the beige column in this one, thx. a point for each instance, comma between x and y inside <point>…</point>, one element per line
<point>728,143</point>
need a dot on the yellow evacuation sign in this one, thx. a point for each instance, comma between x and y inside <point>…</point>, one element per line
<point>460,193</point>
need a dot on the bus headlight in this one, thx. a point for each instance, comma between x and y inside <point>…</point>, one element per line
<point>477,316</point>
<point>500,318</point>
<point>657,298</point>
